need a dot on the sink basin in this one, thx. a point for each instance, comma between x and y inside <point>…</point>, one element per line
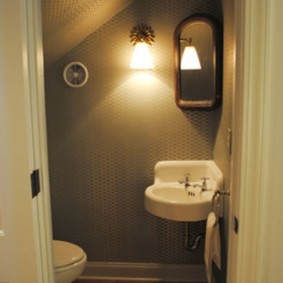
<point>174,202</point>
<point>169,199</point>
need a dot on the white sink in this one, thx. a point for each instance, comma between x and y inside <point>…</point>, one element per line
<point>169,199</point>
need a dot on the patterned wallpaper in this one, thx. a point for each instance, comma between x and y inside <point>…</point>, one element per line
<point>66,23</point>
<point>105,138</point>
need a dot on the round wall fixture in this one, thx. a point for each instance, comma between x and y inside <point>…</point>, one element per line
<point>75,74</point>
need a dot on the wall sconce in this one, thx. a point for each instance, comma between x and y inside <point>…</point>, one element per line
<point>142,37</point>
<point>190,59</point>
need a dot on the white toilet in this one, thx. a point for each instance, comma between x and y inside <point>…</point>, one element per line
<point>69,261</point>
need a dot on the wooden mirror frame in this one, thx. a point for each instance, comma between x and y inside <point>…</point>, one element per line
<point>214,95</point>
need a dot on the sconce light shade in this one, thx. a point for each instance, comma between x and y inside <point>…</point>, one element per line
<point>141,58</point>
<point>141,36</point>
<point>190,59</point>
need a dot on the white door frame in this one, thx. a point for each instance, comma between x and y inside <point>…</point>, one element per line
<point>255,254</point>
<point>25,222</point>
<point>38,122</point>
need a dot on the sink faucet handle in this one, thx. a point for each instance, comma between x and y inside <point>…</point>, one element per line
<point>186,181</point>
<point>204,183</point>
<point>187,177</point>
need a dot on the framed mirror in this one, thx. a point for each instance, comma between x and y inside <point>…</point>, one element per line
<point>198,63</point>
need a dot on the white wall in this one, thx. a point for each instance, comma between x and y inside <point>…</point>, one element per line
<point>17,250</point>
<point>256,255</point>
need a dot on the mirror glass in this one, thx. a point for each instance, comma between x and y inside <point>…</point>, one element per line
<point>197,86</point>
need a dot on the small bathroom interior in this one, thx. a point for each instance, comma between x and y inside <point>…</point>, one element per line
<point>105,137</point>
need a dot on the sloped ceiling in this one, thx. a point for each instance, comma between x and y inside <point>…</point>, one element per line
<point>66,23</point>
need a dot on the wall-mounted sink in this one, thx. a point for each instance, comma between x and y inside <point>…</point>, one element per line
<point>189,200</point>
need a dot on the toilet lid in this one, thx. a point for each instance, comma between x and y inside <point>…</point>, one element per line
<point>65,253</point>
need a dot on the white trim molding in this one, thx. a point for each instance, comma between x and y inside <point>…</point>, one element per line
<point>255,254</point>
<point>253,103</point>
<point>42,205</point>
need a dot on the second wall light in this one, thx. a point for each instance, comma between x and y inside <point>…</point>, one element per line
<point>142,37</point>
<point>190,58</point>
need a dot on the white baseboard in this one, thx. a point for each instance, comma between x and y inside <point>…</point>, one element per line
<point>143,271</point>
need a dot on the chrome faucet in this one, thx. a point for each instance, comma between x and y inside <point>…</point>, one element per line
<point>186,182</point>
<point>203,186</point>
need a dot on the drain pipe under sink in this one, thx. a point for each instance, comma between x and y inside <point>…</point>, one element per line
<point>192,245</point>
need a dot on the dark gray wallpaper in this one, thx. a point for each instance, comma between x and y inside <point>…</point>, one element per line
<point>105,138</point>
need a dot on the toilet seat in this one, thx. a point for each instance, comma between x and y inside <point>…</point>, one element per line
<point>66,254</point>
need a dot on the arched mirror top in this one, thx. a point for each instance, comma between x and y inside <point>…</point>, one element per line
<point>198,63</point>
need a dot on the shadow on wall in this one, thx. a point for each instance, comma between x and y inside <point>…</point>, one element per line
<point>72,23</point>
